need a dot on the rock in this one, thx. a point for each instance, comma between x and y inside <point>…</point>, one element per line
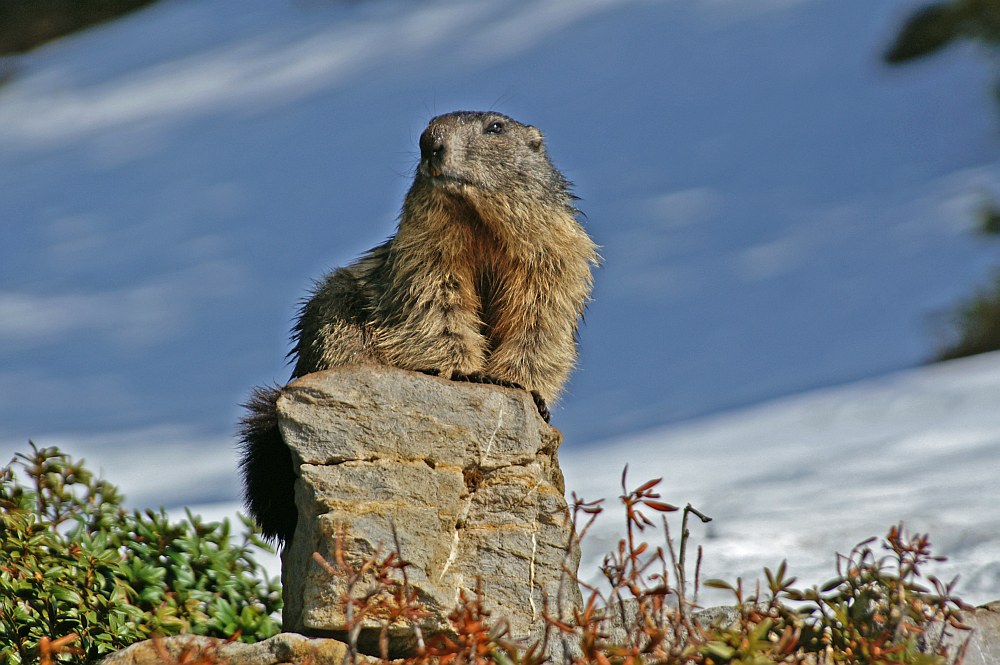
<point>623,616</point>
<point>468,476</point>
<point>983,642</point>
<point>283,648</point>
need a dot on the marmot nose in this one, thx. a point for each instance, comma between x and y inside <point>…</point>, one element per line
<point>431,147</point>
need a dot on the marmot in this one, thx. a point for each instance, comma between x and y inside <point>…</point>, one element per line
<point>485,280</point>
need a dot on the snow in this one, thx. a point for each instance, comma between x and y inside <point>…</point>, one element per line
<point>803,477</point>
<point>778,213</point>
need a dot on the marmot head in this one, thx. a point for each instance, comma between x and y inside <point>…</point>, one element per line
<point>485,154</point>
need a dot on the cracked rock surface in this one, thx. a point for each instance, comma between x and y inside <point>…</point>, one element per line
<point>466,473</point>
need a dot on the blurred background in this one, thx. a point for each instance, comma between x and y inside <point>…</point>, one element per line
<point>797,203</point>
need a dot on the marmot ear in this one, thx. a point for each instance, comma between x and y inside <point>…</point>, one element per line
<point>535,140</point>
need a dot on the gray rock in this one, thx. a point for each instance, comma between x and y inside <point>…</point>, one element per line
<point>982,644</point>
<point>468,476</point>
<point>283,648</point>
<point>623,615</point>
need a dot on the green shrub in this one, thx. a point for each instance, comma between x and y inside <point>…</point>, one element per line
<point>74,561</point>
<point>989,218</point>
<point>27,24</point>
<point>939,24</point>
<point>877,610</point>
<point>976,325</point>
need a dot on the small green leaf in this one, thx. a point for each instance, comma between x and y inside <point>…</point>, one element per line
<point>720,650</point>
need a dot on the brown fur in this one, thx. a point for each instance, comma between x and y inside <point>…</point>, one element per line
<point>488,273</point>
<point>489,270</point>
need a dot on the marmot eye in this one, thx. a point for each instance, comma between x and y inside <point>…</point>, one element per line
<point>495,128</point>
